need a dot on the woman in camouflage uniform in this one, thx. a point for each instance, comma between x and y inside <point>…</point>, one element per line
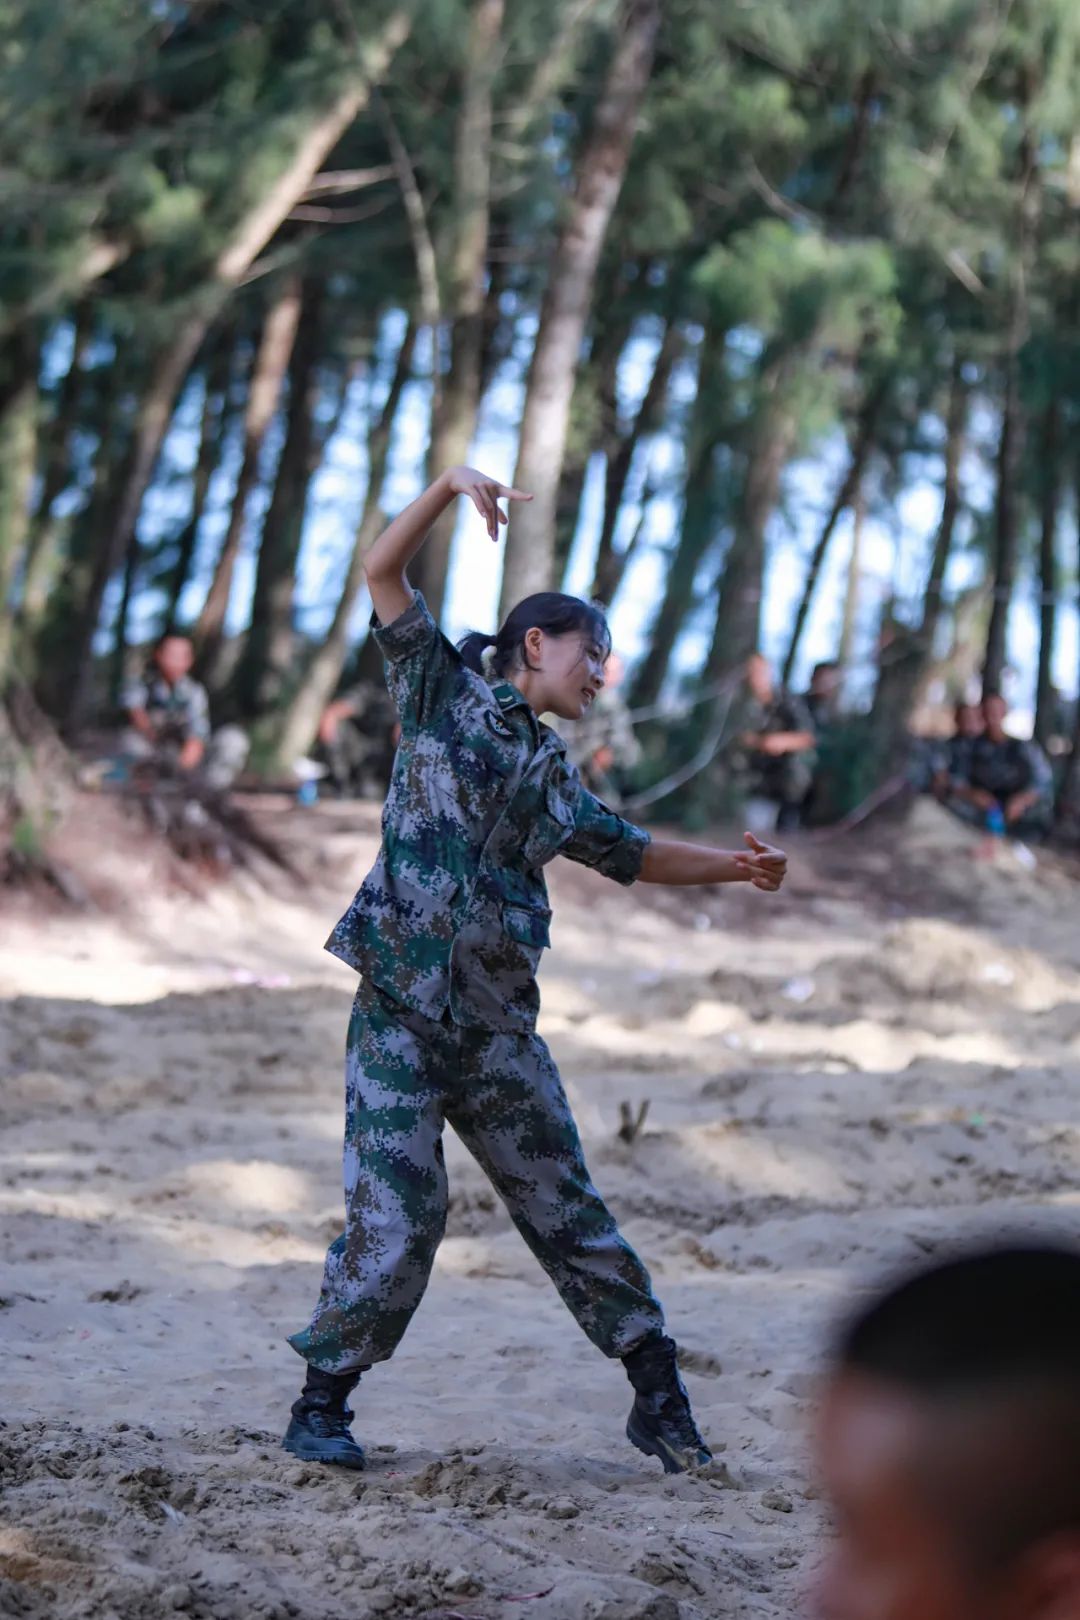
<point>447,932</point>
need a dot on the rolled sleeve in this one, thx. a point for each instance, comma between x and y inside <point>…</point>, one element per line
<point>605,841</point>
<point>421,665</point>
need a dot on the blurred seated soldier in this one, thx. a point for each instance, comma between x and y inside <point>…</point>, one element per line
<point>168,713</point>
<point>822,696</point>
<point>772,755</point>
<point>1010,784</point>
<point>952,765</point>
<point>357,737</point>
<point>602,743</point>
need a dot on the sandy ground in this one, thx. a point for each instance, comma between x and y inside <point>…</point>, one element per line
<point>840,1081</point>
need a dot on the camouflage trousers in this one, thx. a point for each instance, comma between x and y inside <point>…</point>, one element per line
<point>405,1076</point>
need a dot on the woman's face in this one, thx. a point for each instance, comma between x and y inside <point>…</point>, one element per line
<point>567,672</point>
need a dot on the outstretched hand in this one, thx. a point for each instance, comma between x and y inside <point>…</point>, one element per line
<point>763,865</point>
<point>485,494</point>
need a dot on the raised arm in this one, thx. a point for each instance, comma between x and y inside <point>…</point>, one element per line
<point>394,550</point>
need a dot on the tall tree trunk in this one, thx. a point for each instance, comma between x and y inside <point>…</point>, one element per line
<point>593,423</point>
<point>905,668</point>
<point>850,613</point>
<point>738,611</point>
<point>952,495</point>
<point>55,469</point>
<point>1068,802</point>
<point>123,615</point>
<point>271,363</point>
<point>264,665</point>
<point>698,527</point>
<point>457,402</point>
<point>567,298</point>
<point>300,721</point>
<point>50,649</point>
<point>609,564</point>
<point>260,223</point>
<point>213,426</point>
<point>18,452</point>
<point>849,484</point>
<point>1011,442</point>
<point>1050,474</point>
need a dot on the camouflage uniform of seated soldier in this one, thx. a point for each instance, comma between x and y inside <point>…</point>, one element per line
<point>1007,777</point>
<point>168,713</point>
<point>772,755</point>
<point>358,733</point>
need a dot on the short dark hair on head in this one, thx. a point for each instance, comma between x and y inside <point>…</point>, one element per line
<point>991,1338</point>
<point>551,611</point>
<point>991,1315</point>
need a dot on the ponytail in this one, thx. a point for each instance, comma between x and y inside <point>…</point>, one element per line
<point>473,647</point>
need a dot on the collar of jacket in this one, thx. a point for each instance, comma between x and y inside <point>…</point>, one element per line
<point>508,697</point>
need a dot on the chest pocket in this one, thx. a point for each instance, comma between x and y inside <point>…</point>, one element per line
<point>553,827</point>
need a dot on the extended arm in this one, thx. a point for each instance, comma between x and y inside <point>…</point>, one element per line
<point>669,860</point>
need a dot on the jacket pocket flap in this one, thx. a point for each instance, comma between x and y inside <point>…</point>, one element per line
<point>527,926</point>
<point>432,881</point>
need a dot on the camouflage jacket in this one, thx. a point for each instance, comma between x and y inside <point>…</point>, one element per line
<point>750,717</point>
<point>454,914</point>
<point>1012,766</point>
<point>176,712</point>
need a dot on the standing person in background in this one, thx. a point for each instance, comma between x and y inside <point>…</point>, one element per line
<point>447,933</point>
<point>949,1444</point>
<point>772,756</point>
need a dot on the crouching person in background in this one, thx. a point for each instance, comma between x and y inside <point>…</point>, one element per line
<point>168,730</point>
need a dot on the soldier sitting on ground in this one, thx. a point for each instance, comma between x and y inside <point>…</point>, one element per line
<point>952,761</point>
<point>772,756</point>
<point>358,734</point>
<point>168,731</point>
<point>1010,783</point>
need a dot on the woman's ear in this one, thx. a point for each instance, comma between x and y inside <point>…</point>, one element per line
<point>533,643</point>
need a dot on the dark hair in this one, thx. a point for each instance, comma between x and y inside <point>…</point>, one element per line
<point>551,611</point>
<point>991,1338</point>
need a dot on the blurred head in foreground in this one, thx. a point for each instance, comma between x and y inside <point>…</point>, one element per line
<point>950,1445</point>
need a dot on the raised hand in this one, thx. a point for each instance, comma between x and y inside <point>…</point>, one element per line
<point>764,866</point>
<point>485,494</point>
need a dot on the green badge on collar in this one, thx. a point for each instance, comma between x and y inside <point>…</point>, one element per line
<point>498,726</point>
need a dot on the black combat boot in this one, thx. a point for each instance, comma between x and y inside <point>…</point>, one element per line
<point>661,1423</point>
<point>319,1431</point>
